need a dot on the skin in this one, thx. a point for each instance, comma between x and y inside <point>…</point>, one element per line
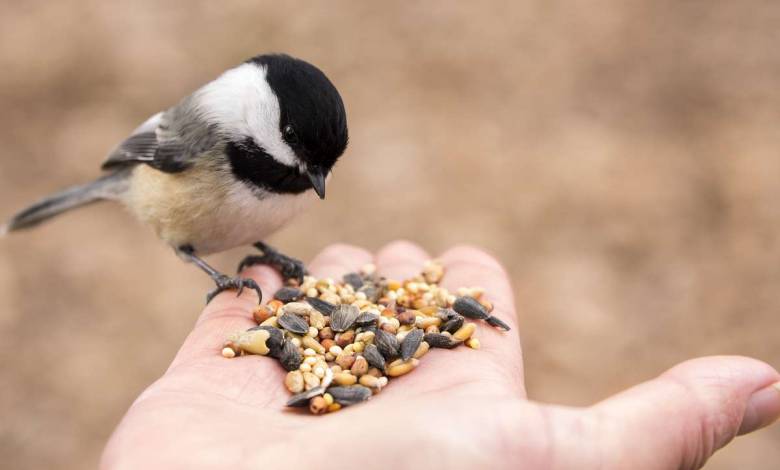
<point>459,409</point>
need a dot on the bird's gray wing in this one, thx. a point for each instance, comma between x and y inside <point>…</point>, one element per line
<point>169,141</point>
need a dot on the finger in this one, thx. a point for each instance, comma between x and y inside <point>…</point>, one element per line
<point>681,418</point>
<point>400,260</point>
<point>339,259</point>
<point>227,313</point>
<point>466,266</point>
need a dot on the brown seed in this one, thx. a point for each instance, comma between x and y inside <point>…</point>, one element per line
<point>326,333</point>
<point>432,329</point>
<point>411,342</point>
<point>274,305</point>
<point>345,360</point>
<point>407,317</point>
<point>262,313</point>
<point>345,338</point>
<point>421,350</point>
<point>343,317</point>
<point>294,381</point>
<point>401,367</point>
<point>293,323</point>
<point>389,327</point>
<point>327,343</point>
<point>318,405</point>
<point>465,332</point>
<point>344,378</point>
<point>359,367</point>
<point>375,372</point>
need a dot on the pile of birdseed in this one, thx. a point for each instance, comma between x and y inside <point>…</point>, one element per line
<point>342,342</point>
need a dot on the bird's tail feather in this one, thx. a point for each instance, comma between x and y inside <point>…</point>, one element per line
<point>107,187</point>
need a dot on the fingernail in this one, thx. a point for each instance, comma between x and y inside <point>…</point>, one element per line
<point>763,409</point>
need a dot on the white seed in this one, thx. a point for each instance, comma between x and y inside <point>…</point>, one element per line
<point>305,367</point>
<point>335,349</point>
<point>309,352</point>
<point>313,332</point>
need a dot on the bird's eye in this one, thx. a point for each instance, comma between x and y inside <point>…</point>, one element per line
<point>289,134</point>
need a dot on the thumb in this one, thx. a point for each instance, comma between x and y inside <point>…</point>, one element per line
<point>681,418</point>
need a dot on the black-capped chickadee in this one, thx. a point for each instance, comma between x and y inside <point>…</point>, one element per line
<point>227,166</point>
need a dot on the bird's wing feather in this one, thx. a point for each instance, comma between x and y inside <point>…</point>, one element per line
<point>169,141</point>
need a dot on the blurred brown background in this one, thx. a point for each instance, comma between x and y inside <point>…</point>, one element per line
<point>620,157</point>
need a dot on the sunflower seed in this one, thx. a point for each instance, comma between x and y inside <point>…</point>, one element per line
<point>440,340</point>
<point>453,324</point>
<point>470,308</point>
<point>275,341</point>
<point>343,317</point>
<point>410,343</point>
<point>366,319</point>
<point>288,294</point>
<point>372,293</point>
<point>387,344</point>
<point>294,324</point>
<point>350,395</point>
<point>300,400</point>
<point>290,357</point>
<point>498,323</point>
<point>374,357</point>
<point>354,280</point>
<point>325,308</point>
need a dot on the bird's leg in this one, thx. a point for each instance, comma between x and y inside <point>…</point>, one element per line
<point>290,268</point>
<point>223,282</point>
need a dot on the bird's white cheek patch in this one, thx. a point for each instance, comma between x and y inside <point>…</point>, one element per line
<point>243,105</point>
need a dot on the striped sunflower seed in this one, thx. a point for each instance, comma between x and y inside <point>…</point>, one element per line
<point>497,322</point>
<point>374,357</point>
<point>343,317</point>
<point>366,319</point>
<point>354,280</point>
<point>387,344</point>
<point>299,400</point>
<point>290,357</point>
<point>410,343</point>
<point>325,308</point>
<point>293,323</point>
<point>288,294</point>
<point>453,324</point>
<point>470,308</point>
<point>440,340</point>
<point>350,395</point>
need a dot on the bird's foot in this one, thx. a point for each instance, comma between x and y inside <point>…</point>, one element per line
<point>229,283</point>
<point>289,268</point>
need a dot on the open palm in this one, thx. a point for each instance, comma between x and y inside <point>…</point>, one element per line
<point>458,409</point>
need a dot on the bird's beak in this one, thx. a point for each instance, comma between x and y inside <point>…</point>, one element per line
<point>317,178</point>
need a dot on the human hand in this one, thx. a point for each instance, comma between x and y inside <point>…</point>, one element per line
<point>459,409</point>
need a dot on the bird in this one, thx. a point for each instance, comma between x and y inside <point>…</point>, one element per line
<point>226,166</point>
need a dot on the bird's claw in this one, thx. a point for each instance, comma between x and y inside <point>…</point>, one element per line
<point>289,268</point>
<point>228,283</point>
